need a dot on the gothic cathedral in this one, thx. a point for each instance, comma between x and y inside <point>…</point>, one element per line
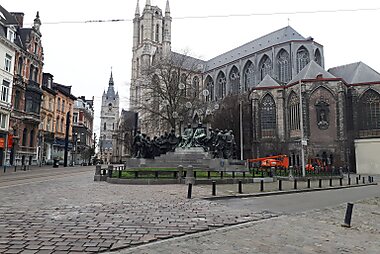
<point>282,75</point>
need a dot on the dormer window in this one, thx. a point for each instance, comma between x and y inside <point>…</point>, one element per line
<point>11,35</point>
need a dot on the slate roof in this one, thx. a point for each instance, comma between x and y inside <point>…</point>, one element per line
<point>9,18</point>
<point>311,71</point>
<point>277,37</point>
<point>66,90</point>
<point>268,81</point>
<point>356,73</point>
<point>190,63</point>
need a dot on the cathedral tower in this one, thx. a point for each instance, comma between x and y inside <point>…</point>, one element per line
<point>151,41</point>
<point>109,116</point>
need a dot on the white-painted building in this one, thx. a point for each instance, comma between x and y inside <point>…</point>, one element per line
<point>7,61</point>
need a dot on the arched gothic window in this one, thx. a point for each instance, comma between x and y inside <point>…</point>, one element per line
<point>221,86</point>
<point>105,126</point>
<point>184,84</point>
<point>142,33</point>
<point>249,76</point>
<point>265,67</point>
<point>157,33</point>
<point>318,57</point>
<point>268,116</point>
<point>369,105</point>
<point>138,67</point>
<point>294,112</point>
<point>234,80</point>
<point>210,88</point>
<point>303,58</point>
<point>283,66</point>
<point>195,86</point>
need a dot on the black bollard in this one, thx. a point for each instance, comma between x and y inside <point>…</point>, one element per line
<point>308,183</point>
<point>357,180</point>
<point>347,217</point>
<point>369,179</point>
<point>295,184</point>
<point>320,183</point>
<point>189,190</point>
<point>341,181</point>
<point>262,185</point>
<point>363,180</point>
<point>360,177</point>
<point>349,180</point>
<point>213,188</point>
<point>330,182</point>
<point>240,187</point>
<point>280,185</point>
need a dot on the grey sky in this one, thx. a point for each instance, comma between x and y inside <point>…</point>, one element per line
<point>81,54</point>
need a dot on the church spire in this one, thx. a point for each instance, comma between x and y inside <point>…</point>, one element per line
<point>148,3</point>
<point>111,79</point>
<point>167,9</point>
<point>137,12</point>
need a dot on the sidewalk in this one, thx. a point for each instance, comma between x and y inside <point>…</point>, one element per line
<point>317,231</point>
<point>230,190</point>
<point>10,171</point>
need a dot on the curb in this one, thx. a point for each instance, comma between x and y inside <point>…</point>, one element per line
<point>119,249</point>
<point>274,193</point>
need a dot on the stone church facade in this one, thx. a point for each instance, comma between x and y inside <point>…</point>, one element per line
<point>273,75</point>
<point>109,116</point>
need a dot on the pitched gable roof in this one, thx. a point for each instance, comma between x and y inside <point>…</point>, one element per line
<point>268,81</point>
<point>311,71</point>
<point>356,73</point>
<point>280,36</point>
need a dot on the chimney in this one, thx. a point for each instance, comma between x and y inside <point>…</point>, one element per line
<point>19,16</point>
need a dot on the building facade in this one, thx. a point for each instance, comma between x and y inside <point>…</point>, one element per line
<point>8,48</point>
<point>47,127</point>
<point>277,78</point>
<point>64,107</point>
<point>123,136</point>
<point>26,93</point>
<point>109,116</point>
<point>83,121</point>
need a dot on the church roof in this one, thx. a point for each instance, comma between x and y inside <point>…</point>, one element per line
<point>277,37</point>
<point>268,81</point>
<point>187,62</point>
<point>311,71</point>
<point>355,73</point>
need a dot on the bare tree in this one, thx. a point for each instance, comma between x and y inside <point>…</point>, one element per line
<point>170,89</point>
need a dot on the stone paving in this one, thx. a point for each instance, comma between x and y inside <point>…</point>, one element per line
<point>317,231</point>
<point>75,214</point>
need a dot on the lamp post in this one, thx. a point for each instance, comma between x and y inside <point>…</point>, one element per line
<point>75,137</point>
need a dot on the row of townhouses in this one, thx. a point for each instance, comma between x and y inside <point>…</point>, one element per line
<point>36,114</point>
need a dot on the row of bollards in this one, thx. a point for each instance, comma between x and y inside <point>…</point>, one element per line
<point>240,184</point>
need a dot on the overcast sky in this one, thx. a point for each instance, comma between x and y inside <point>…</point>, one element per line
<point>81,54</point>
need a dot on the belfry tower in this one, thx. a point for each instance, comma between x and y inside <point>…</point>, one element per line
<point>109,116</point>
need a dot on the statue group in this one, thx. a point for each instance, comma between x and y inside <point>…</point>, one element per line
<point>221,144</point>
